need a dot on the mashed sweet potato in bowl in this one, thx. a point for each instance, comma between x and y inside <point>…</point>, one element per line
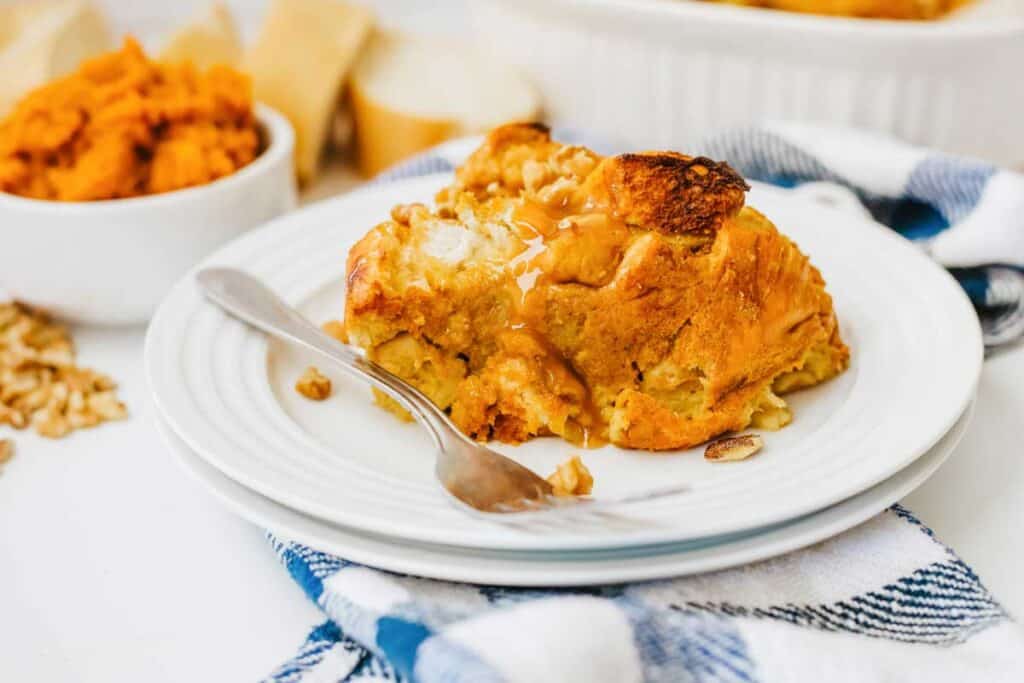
<point>116,179</point>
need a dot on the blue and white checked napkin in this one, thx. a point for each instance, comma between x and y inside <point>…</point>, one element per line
<point>885,601</point>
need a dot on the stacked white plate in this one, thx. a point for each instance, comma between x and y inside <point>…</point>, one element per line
<point>343,476</point>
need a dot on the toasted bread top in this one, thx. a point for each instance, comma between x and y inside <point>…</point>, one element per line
<point>666,192</point>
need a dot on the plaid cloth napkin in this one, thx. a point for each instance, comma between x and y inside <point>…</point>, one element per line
<point>967,214</point>
<point>884,601</point>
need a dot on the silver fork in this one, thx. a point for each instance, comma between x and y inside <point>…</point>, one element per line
<point>473,474</point>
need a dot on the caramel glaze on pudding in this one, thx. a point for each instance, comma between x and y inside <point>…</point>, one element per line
<point>629,299</point>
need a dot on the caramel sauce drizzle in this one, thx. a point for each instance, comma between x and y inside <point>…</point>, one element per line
<point>538,225</point>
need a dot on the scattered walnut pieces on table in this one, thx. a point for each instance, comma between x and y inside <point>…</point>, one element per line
<point>733,448</point>
<point>314,385</point>
<point>39,381</point>
<point>572,478</point>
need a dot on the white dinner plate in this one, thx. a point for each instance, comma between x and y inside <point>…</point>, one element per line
<point>511,568</point>
<point>916,357</point>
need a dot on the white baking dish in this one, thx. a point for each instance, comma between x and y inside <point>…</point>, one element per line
<point>664,73</point>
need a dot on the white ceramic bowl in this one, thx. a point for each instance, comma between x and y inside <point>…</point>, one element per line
<point>111,262</point>
<point>663,73</point>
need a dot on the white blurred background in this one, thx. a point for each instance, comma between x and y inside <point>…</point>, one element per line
<point>151,20</point>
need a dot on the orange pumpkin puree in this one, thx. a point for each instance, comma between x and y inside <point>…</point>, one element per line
<point>123,126</point>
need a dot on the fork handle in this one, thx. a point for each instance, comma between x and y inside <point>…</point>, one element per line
<point>245,297</point>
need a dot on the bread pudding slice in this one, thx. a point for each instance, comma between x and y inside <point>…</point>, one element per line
<point>631,299</point>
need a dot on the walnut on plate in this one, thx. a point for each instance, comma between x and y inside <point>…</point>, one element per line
<point>314,385</point>
<point>572,478</point>
<point>733,448</point>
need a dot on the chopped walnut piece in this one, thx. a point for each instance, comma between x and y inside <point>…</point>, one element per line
<point>402,213</point>
<point>6,450</point>
<point>39,381</point>
<point>733,448</point>
<point>572,478</point>
<point>314,385</point>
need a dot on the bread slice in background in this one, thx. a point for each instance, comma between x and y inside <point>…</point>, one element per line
<point>211,38</point>
<point>410,93</point>
<point>299,62</point>
<point>40,41</point>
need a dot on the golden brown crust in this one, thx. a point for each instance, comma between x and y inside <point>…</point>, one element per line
<point>668,192</point>
<point>516,133</point>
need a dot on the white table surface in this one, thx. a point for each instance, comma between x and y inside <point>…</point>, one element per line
<point>116,566</point>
